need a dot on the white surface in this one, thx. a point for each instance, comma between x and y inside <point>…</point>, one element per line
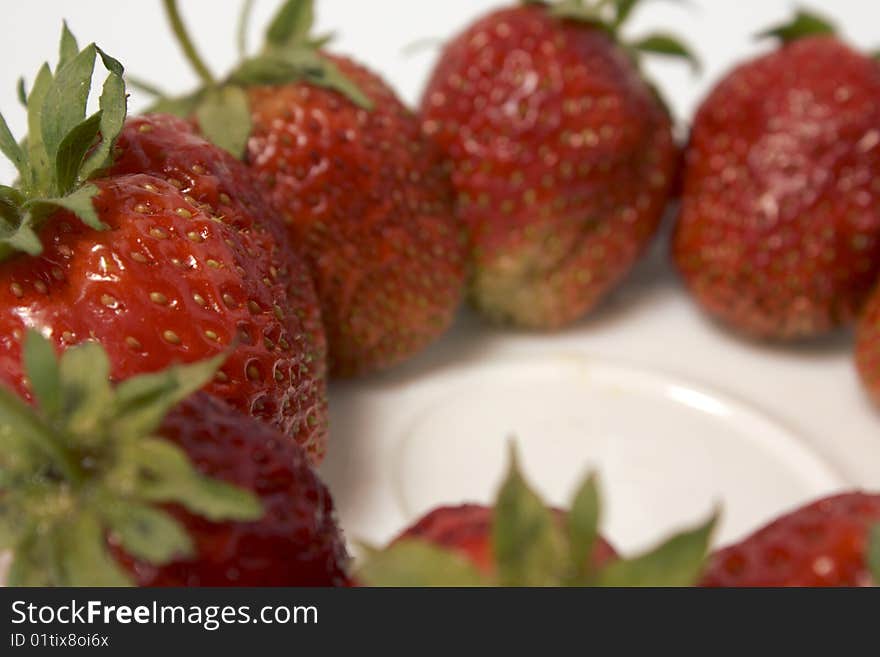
<point>812,407</point>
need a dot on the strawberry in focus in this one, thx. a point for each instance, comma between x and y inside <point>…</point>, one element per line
<point>779,231</point>
<point>833,542</point>
<point>143,236</point>
<point>563,155</point>
<point>361,189</point>
<point>522,542</point>
<point>152,483</point>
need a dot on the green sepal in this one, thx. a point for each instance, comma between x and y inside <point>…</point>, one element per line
<point>528,545</point>
<point>83,555</point>
<point>224,117</point>
<point>292,24</point>
<point>141,403</point>
<point>72,151</point>
<point>873,556</point>
<point>666,45</point>
<point>83,466</point>
<point>65,103</point>
<point>166,475</point>
<point>68,48</point>
<point>414,563</point>
<point>79,203</point>
<point>21,92</point>
<point>804,24</point>
<point>678,562</point>
<point>84,373</point>
<point>147,533</point>
<point>583,527</point>
<point>11,149</point>
<point>64,148</point>
<point>45,376</point>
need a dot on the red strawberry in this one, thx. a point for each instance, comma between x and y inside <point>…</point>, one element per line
<point>779,233</point>
<point>563,155</point>
<point>359,185</point>
<point>143,483</point>
<point>170,256</point>
<point>822,544</point>
<point>467,530</point>
<point>521,542</point>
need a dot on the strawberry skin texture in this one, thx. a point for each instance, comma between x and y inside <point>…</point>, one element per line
<point>296,543</point>
<point>563,159</point>
<point>369,199</point>
<point>467,530</point>
<point>779,231</point>
<point>189,266</point>
<point>823,544</point>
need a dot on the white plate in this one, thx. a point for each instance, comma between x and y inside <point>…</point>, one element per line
<point>674,413</point>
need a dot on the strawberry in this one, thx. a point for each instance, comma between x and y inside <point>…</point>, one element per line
<point>825,543</point>
<point>147,483</point>
<point>522,542</point>
<point>779,232</point>
<point>467,531</point>
<point>168,255</point>
<point>354,177</point>
<point>563,155</point>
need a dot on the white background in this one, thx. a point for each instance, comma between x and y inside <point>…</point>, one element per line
<point>811,389</point>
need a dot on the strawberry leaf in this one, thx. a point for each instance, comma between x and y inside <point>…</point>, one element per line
<point>148,533</point>
<point>37,155</point>
<point>292,23</point>
<point>84,372</point>
<point>224,117</point>
<point>84,558</point>
<point>65,103</point>
<point>42,366</point>
<point>413,563</point>
<point>874,553</point>
<point>529,550</point>
<point>73,149</point>
<point>678,562</point>
<point>10,148</point>
<point>667,45</point>
<point>804,24</point>
<point>583,526</point>
<point>167,475</point>
<point>113,111</point>
<point>67,49</point>
<point>78,202</point>
<point>142,402</point>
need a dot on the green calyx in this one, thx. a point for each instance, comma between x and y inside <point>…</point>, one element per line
<point>85,464</point>
<point>873,558</point>
<point>290,54</point>
<point>532,548</point>
<point>64,148</point>
<point>804,24</point>
<point>611,15</point>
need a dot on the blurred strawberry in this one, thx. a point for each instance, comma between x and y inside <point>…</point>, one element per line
<point>142,483</point>
<point>779,232</point>
<point>832,542</point>
<point>563,154</point>
<point>522,542</point>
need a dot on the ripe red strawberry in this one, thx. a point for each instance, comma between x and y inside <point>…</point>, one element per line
<point>521,542</point>
<point>359,185</point>
<point>779,232</point>
<point>169,256</point>
<point>146,483</point>
<point>823,544</point>
<point>563,155</point>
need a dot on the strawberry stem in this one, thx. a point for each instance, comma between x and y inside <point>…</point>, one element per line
<point>186,43</point>
<point>244,21</point>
